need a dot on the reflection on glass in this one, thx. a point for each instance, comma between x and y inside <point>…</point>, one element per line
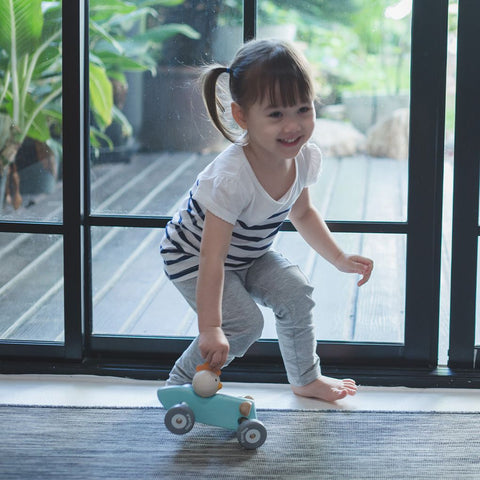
<point>30,111</point>
<point>31,287</point>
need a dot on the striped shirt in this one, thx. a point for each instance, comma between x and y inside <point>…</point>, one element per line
<point>229,189</point>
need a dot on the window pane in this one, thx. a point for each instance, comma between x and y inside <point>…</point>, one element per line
<point>31,287</point>
<point>132,296</point>
<point>150,184</point>
<point>171,141</point>
<point>31,154</point>
<point>152,135</point>
<point>344,312</point>
<point>360,54</point>
<point>363,79</point>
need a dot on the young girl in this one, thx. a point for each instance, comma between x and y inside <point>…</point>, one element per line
<point>216,249</point>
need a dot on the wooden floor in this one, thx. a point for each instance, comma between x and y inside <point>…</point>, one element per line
<point>131,295</point>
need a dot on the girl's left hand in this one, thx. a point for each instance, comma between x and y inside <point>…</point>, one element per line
<point>355,264</point>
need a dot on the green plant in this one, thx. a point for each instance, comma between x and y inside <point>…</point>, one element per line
<point>30,57</point>
<point>119,43</point>
<point>31,64</point>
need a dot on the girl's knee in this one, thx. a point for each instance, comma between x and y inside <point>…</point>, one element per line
<point>251,327</point>
<point>293,300</point>
<point>295,288</point>
<point>245,333</point>
<point>256,326</point>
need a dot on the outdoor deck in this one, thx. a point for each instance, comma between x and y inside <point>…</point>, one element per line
<point>131,295</point>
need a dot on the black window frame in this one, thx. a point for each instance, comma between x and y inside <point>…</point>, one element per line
<point>411,363</point>
<point>463,353</point>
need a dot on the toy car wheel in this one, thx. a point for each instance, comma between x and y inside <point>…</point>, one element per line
<point>179,419</point>
<point>251,434</point>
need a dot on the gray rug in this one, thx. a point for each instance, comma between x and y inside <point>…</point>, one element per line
<point>128,443</point>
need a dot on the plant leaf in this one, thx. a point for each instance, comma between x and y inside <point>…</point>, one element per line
<point>22,24</point>
<point>101,10</point>
<point>101,95</point>
<point>115,62</point>
<point>163,32</point>
<point>39,129</point>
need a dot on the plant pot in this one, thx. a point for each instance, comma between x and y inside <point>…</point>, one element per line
<point>117,154</point>
<point>175,118</point>
<point>37,166</point>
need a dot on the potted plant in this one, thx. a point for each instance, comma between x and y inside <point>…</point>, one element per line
<point>30,75</point>
<point>29,81</point>
<point>174,114</point>
<point>121,48</point>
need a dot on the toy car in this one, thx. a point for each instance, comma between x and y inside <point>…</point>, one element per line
<point>184,407</point>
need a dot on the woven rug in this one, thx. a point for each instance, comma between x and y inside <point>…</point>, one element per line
<point>132,443</point>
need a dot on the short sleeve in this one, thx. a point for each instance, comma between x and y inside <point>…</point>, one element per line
<point>313,163</point>
<point>224,196</point>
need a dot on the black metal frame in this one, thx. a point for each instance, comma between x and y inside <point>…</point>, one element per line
<point>74,127</point>
<point>425,192</point>
<point>462,349</point>
<point>152,357</point>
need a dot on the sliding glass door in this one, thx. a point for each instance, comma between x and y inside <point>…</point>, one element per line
<point>32,240</point>
<point>135,134</point>
<point>380,126</point>
<point>464,318</point>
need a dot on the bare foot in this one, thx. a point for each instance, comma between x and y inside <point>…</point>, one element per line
<point>327,388</point>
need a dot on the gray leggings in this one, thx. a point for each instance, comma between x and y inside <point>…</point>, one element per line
<point>274,282</point>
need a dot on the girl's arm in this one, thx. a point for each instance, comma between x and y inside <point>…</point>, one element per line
<point>216,237</point>
<point>314,230</point>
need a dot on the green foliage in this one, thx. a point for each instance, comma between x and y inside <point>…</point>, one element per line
<point>120,43</point>
<point>22,24</point>
<point>30,60</point>
<point>30,53</point>
<point>101,95</point>
<point>276,12</point>
<point>352,44</point>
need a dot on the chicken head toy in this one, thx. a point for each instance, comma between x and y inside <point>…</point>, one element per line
<point>206,382</point>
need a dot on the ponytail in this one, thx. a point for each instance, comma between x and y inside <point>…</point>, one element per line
<point>212,100</point>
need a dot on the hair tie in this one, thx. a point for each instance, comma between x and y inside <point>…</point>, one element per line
<point>227,70</point>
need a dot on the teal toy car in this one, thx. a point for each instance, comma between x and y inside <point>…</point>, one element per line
<point>185,407</point>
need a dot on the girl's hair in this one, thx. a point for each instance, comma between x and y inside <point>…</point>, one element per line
<point>261,69</point>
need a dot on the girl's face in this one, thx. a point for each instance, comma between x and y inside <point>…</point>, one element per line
<point>276,131</point>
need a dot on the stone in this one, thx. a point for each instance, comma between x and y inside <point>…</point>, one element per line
<point>337,139</point>
<point>388,138</point>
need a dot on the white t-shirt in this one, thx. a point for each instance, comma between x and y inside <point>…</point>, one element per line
<point>229,189</point>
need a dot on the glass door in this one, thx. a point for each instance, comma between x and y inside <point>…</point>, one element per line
<point>381,69</point>
<point>32,230</point>
<point>464,317</point>
<point>84,279</point>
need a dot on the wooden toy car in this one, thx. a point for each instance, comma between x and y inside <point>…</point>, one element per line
<point>185,406</point>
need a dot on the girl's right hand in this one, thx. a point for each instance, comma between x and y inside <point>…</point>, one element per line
<point>355,264</point>
<point>214,346</point>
